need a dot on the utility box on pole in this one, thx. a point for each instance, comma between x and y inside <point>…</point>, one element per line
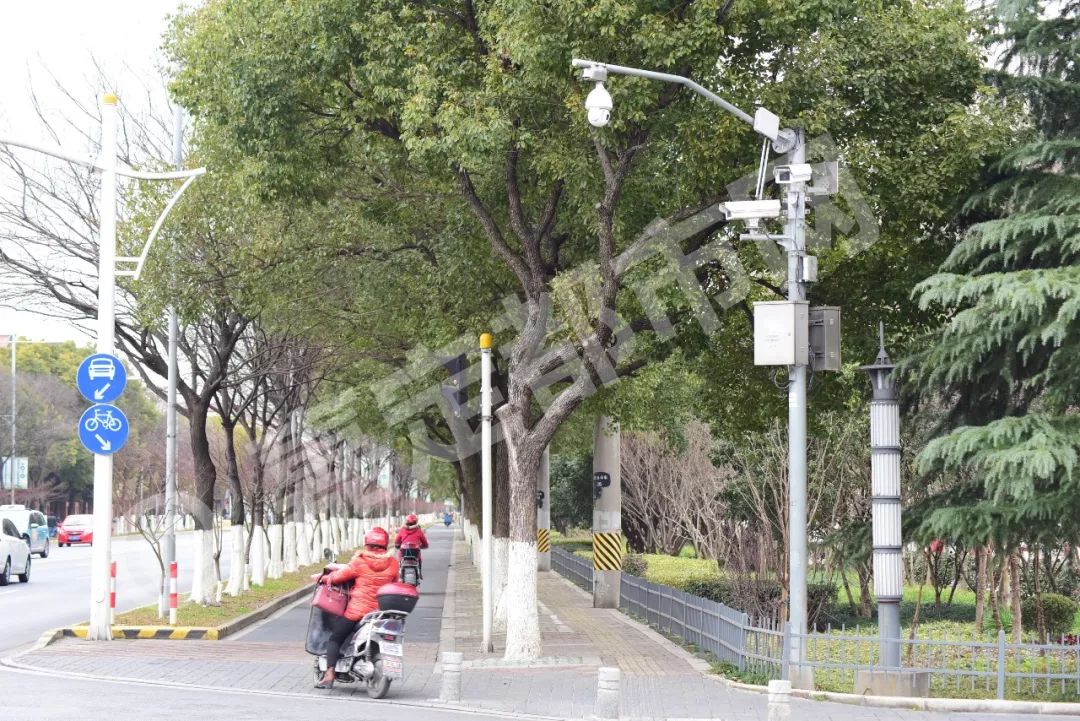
<point>824,337</point>
<point>781,333</point>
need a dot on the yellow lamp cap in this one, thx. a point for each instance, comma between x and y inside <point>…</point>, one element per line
<point>485,341</point>
<point>110,99</point>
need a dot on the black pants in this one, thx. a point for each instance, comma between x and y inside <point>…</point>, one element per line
<point>340,628</point>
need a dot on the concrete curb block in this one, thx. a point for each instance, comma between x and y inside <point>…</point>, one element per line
<point>447,644</point>
<point>948,705</point>
<point>178,633</point>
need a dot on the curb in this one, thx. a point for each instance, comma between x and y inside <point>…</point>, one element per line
<point>944,705</point>
<point>180,633</point>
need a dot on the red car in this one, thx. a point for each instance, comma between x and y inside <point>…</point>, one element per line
<point>76,529</point>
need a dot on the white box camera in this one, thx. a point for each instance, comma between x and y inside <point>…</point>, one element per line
<point>794,173</point>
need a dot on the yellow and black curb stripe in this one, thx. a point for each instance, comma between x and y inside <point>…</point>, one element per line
<point>607,551</point>
<point>174,633</point>
<point>543,540</point>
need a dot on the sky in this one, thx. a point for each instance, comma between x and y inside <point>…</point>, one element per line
<point>63,38</point>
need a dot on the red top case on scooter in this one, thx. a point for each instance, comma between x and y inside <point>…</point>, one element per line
<point>397,597</point>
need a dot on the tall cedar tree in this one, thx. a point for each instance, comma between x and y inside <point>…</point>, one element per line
<point>1005,361</point>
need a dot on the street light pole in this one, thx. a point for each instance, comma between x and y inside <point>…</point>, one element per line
<point>797,560</point>
<point>169,546</point>
<point>99,627</point>
<point>784,140</point>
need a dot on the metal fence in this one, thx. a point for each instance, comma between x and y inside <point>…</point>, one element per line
<point>977,668</point>
<point>573,567</point>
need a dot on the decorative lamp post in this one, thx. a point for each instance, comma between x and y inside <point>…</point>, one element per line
<point>885,482</point>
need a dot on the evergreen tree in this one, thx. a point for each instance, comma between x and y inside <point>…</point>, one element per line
<point>1005,365</point>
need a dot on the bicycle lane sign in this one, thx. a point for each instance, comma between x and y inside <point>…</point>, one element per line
<point>103,429</point>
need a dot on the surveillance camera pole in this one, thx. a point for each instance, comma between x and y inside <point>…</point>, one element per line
<point>792,142</point>
<point>99,628</point>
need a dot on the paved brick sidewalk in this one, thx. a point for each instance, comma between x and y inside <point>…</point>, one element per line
<point>660,680</point>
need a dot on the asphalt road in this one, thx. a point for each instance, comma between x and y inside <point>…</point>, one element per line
<point>424,623</point>
<point>59,590</point>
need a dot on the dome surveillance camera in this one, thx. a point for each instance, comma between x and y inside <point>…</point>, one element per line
<point>599,105</point>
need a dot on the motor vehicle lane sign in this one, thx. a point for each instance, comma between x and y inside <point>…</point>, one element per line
<point>101,378</point>
<point>103,429</point>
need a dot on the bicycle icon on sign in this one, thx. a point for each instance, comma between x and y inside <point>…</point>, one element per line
<point>102,419</point>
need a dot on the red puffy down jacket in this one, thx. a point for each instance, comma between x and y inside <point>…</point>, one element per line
<point>369,571</point>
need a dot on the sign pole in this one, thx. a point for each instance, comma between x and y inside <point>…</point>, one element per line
<point>11,463</point>
<point>100,629</point>
<point>487,504</point>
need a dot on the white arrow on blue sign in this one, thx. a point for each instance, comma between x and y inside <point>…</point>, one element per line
<point>101,378</point>
<point>103,429</point>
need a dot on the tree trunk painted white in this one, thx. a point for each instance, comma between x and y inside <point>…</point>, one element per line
<point>236,561</point>
<point>303,543</point>
<point>276,567</point>
<point>523,640</point>
<point>476,545</point>
<point>501,554</point>
<point>204,572</point>
<point>289,546</point>
<point>258,556</point>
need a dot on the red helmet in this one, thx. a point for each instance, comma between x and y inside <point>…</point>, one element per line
<point>411,519</point>
<point>377,537</point>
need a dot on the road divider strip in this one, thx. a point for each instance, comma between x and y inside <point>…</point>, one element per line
<point>183,633</point>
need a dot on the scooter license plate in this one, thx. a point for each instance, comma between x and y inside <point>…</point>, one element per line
<point>391,649</point>
<point>393,667</point>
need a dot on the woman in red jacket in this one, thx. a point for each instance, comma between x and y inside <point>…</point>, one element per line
<point>371,568</point>
<point>412,533</point>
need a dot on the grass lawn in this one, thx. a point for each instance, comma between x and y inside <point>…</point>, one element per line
<point>192,614</point>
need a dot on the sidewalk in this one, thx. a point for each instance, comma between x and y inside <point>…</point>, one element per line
<point>660,680</point>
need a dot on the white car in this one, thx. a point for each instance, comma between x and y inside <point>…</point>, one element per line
<point>14,554</point>
<point>101,368</point>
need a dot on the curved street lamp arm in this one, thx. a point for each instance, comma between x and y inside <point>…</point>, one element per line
<point>141,258</point>
<point>173,175</point>
<point>55,152</point>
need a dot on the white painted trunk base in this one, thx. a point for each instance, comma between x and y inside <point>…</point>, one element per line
<point>236,561</point>
<point>475,544</point>
<point>204,572</point>
<point>501,558</point>
<point>522,620</point>
<point>276,567</point>
<point>303,543</point>
<point>258,556</point>
<point>288,543</point>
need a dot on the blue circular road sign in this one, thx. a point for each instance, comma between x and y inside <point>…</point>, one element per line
<point>101,378</point>
<point>103,429</point>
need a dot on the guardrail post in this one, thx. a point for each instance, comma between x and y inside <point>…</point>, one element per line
<point>744,621</point>
<point>607,693</point>
<point>779,700</point>
<point>450,688</point>
<point>1001,666</point>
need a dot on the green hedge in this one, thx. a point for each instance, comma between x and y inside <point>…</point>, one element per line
<point>1058,611</point>
<point>762,597</point>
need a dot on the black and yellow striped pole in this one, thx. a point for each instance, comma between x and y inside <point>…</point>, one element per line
<point>543,513</point>
<point>607,538</point>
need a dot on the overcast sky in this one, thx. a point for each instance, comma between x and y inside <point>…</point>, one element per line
<point>62,38</point>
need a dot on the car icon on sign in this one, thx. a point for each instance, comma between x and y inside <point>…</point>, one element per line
<point>101,368</point>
